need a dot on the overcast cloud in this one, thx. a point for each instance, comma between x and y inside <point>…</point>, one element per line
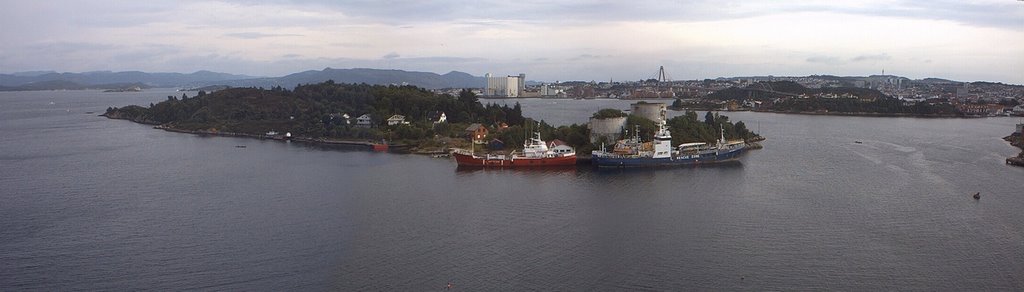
<point>547,40</point>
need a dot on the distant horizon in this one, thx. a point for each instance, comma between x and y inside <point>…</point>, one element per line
<point>580,40</point>
<point>43,72</point>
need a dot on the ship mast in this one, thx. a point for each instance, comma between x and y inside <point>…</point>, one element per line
<point>722,129</point>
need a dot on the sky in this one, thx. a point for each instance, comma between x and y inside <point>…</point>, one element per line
<point>546,40</point>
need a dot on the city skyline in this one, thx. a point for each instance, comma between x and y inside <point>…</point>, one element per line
<point>977,41</point>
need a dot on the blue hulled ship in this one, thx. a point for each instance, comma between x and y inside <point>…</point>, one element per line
<point>634,153</point>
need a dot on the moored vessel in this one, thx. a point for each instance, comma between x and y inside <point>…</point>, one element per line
<point>379,147</point>
<point>634,153</point>
<point>535,154</point>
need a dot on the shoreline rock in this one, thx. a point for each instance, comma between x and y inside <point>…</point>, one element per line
<point>1016,141</point>
<point>393,148</point>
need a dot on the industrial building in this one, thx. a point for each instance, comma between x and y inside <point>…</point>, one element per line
<point>507,86</point>
<point>547,90</point>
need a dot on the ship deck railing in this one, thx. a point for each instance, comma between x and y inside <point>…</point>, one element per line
<point>613,155</point>
<point>461,151</point>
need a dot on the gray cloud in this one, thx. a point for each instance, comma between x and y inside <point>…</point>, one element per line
<point>349,45</point>
<point>391,55</point>
<point>586,57</point>
<point>146,52</point>
<point>259,35</point>
<point>1008,14</point>
<point>824,59</point>
<point>403,13</point>
<point>61,47</point>
<point>871,58</point>
<point>444,59</point>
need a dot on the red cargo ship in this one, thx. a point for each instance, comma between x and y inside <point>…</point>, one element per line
<point>535,153</point>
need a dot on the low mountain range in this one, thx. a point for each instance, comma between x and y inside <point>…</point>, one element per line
<point>68,85</point>
<point>48,80</point>
<point>94,78</point>
<point>454,79</point>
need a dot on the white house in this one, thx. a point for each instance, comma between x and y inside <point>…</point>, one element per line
<point>558,146</point>
<point>364,121</point>
<point>397,120</point>
<point>437,117</point>
<point>752,104</point>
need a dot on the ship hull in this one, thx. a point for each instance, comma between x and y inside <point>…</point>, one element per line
<point>624,162</point>
<point>477,161</point>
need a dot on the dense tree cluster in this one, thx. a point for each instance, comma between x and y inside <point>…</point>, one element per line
<point>608,113</point>
<point>688,128</point>
<point>317,110</point>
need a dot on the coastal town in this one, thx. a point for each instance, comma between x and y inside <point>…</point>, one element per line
<point>779,93</point>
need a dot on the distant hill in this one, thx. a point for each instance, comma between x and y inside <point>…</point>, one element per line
<point>428,80</point>
<point>32,73</point>
<point>773,89</point>
<point>848,81</point>
<point>68,85</point>
<point>936,80</point>
<point>38,78</point>
<point>49,80</point>
<point>45,85</point>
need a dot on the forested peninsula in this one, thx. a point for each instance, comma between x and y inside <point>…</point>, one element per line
<point>402,115</point>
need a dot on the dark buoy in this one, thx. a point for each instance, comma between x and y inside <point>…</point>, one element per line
<point>977,196</point>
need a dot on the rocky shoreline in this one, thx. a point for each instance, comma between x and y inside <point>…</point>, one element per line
<point>1016,140</point>
<point>395,148</point>
<point>863,114</point>
<point>754,143</point>
<point>116,115</point>
<point>848,114</point>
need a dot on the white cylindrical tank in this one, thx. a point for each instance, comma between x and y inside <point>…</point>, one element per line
<point>656,112</point>
<point>610,128</point>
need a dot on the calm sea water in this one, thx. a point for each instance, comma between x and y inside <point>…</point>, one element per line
<point>96,204</point>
